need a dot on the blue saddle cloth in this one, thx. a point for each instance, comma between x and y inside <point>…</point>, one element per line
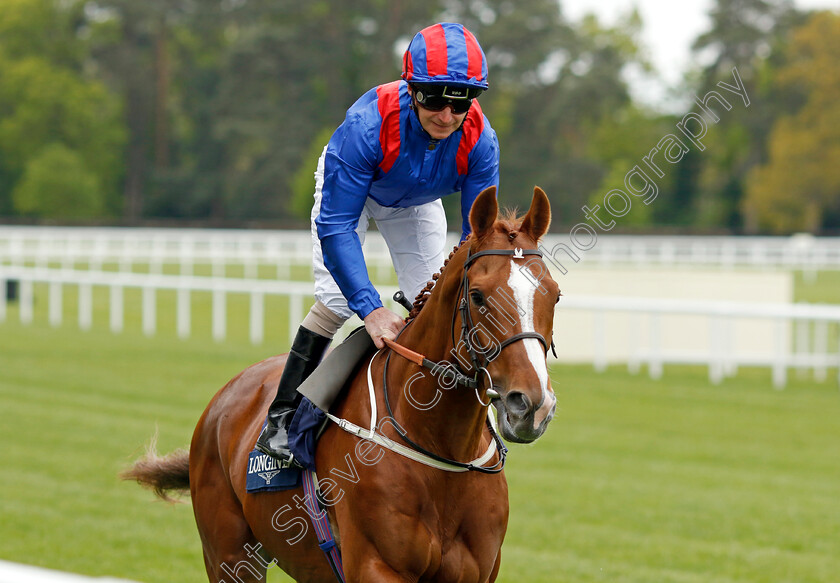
<point>266,475</point>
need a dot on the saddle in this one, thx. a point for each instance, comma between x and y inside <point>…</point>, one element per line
<point>327,381</point>
<point>320,391</point>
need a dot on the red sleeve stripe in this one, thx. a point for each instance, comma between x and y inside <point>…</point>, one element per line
<point>474,59</point>
<point>473,126</point>
<point>436,52</point>
<point>389,132</point>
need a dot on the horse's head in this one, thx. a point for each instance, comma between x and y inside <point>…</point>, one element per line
<point>508,306</point>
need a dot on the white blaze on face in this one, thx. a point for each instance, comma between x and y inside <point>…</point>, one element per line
<point>523,292</point>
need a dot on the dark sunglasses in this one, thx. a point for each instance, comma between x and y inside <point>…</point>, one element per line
<point>436,102</point>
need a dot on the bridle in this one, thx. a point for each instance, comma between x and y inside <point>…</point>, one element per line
<point>467,325</point>
<point>478,357</point>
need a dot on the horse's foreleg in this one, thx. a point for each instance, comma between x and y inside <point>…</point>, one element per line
<point>495,572</point>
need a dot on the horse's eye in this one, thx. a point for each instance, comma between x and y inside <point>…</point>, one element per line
<point>477,297</point>
<point>559,295</point>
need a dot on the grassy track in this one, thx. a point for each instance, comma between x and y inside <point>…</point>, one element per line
<point>822,289</point>
<point>678,481</point>
<point>636,480</point>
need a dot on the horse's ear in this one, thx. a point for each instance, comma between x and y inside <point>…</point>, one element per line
<point>484,211</point>
<point>538,217</point>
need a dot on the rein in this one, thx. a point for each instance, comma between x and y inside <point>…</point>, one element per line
<point>470,466</point>
<point>432,460</point>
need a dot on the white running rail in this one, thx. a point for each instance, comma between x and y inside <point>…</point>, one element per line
<point>93,247</point>
<point>814,347</point>
<point>151,284</point>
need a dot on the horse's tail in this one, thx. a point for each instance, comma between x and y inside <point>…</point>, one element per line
<point>161,474</point>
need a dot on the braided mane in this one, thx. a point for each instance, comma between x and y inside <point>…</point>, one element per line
<point>426,292</point>
<point>508,222</point>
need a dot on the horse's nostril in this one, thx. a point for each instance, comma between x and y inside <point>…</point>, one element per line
<point>517,403</point>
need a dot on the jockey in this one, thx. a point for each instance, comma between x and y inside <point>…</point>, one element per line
<point>402,146</point>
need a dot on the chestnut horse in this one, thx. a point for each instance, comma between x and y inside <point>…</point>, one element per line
<point>490,315</point>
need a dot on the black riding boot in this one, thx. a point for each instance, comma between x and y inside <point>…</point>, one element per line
<point>307,350</point>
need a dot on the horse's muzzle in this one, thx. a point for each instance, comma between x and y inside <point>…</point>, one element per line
<point>519,420</point>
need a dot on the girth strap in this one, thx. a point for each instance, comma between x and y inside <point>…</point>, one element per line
<point>321,522</point>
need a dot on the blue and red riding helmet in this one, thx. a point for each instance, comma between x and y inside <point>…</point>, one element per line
<point>445,53</point>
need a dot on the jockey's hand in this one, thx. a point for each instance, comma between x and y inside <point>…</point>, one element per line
<point>383,323</point>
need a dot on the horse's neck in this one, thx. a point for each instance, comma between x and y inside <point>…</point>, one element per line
<point>450,421</point>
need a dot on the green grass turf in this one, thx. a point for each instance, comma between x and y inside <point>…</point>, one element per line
<point>636,480</point>
<point>823,288</point>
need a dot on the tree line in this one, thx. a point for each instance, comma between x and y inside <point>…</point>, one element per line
<point>216,110</point>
